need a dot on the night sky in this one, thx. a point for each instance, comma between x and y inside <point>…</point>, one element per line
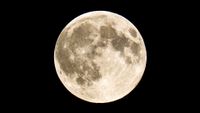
<point>35,85</point>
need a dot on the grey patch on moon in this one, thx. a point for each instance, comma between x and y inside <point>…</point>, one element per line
<point>66,64</point>
<point>80,80</point>
<point>135,48</point>
<point>107,32</point>
<point>128,60</point>
<point>133,32</point>
<point>120,41</point>
<point>78,39</point>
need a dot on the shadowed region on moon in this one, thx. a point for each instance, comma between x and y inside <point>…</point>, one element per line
<point>97,53</point>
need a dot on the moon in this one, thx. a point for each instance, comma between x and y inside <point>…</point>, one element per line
<point>100,56</point>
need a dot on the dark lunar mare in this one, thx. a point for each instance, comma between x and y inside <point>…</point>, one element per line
<point>79,38</point>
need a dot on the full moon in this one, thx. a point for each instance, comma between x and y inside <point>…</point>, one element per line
<point>100,57</point>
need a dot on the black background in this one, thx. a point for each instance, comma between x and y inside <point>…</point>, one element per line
<point>34,27</point>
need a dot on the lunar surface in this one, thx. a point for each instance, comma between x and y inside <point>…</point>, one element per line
<point>100,57</point>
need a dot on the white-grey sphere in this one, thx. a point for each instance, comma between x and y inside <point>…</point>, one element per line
<point>100,56</point>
